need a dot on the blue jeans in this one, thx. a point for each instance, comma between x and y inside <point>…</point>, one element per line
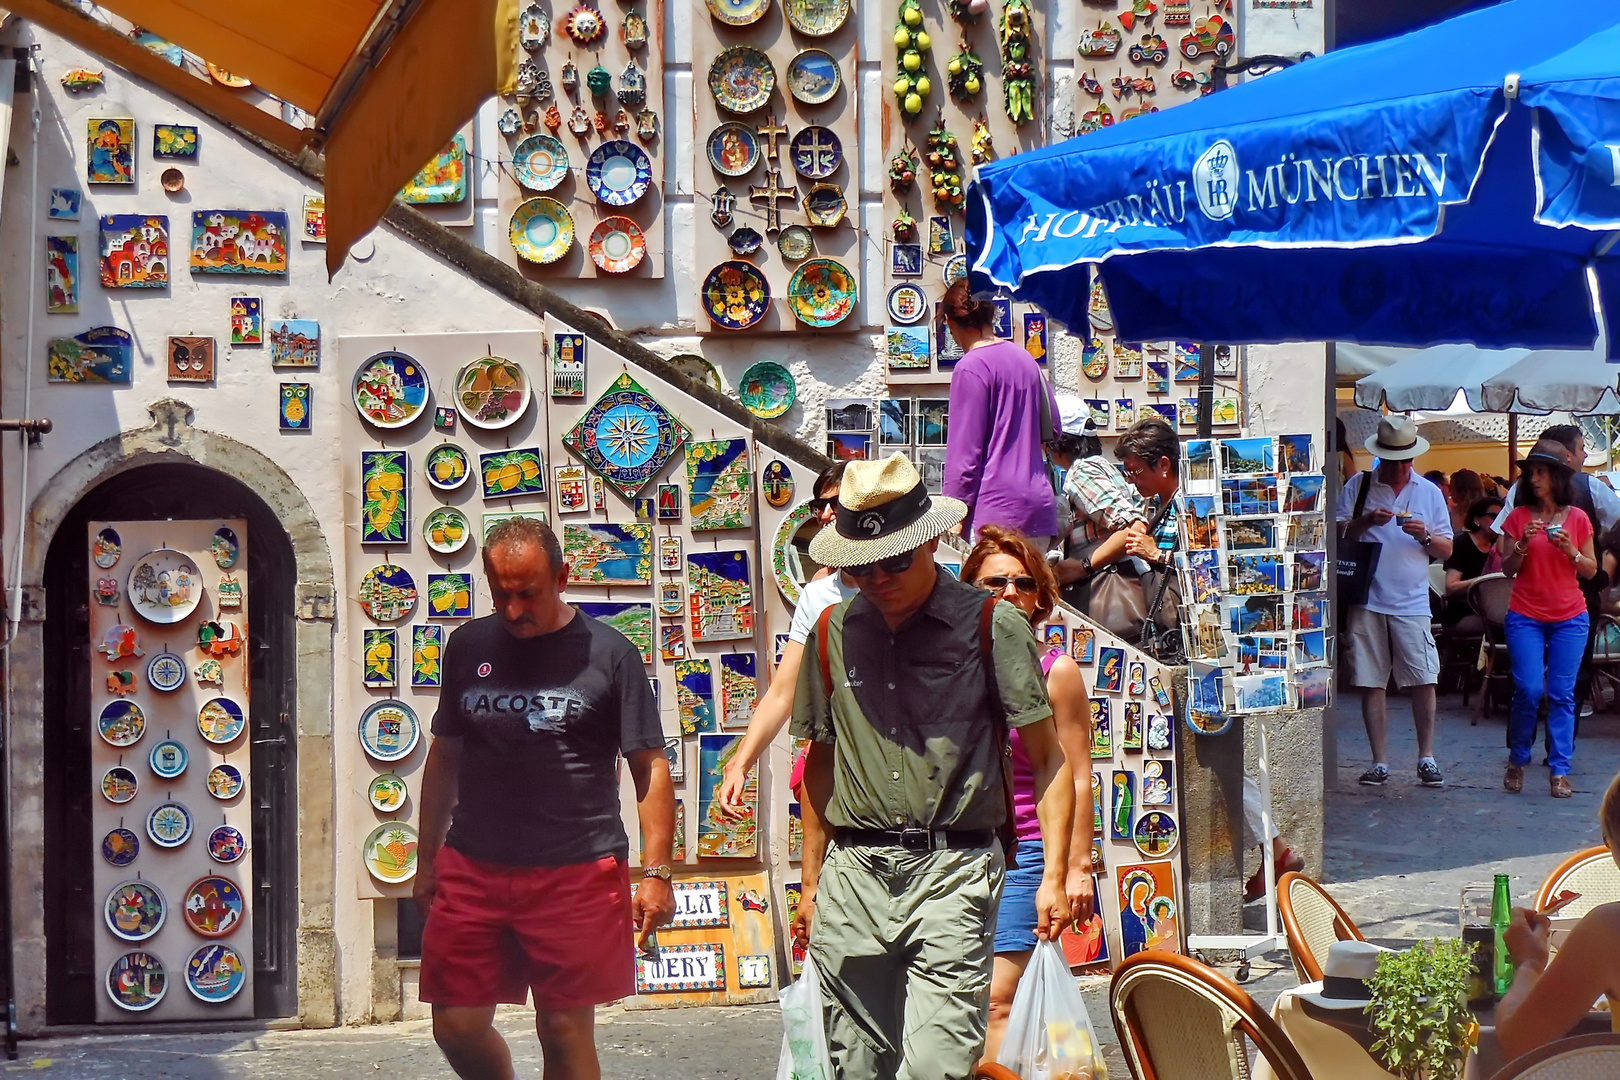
<point>1546,657</point>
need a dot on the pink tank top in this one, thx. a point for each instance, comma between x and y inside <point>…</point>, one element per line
<point>1025,821</point>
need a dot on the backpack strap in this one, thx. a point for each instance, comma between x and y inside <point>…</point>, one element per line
<point>824,648</point>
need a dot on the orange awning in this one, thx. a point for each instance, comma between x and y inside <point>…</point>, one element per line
<point>389,82</point>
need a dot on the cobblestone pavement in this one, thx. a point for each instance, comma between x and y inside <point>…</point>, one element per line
<point>1397,858</point>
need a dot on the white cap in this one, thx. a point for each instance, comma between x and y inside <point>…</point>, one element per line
<point>1074,415</point>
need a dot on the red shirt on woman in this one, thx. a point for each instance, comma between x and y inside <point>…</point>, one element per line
<point>1546,588</point>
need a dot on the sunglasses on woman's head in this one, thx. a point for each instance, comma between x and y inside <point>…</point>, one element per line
<point>998,582</point>
<point>897,565</point>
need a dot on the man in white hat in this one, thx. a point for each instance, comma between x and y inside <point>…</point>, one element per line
<point>1407,515</point>
<point>905,692</point>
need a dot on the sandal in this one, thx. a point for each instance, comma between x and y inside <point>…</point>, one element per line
<point>1513,779</point>
<point>1255,887</point>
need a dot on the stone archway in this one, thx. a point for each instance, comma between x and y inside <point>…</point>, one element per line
<point>172,437</point>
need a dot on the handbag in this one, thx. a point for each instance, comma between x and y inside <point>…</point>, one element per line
<point>1358,559</point>
<point>1127,602</point>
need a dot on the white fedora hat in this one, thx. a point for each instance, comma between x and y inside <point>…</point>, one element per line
<point>1345,971</point>
<point>883,511</point>
<point>1397,439</point>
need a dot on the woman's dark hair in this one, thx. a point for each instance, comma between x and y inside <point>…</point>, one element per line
<point>830,476</point>
<point>1524,495</point>
<point>1150,439</point>
<point>1608,542</point>
<point>1485,504</point>
<point>993,539</point>
<point>1078,446</point>
<point>960,307</point>
<point>1435,476</point>
<point>1466,487</point>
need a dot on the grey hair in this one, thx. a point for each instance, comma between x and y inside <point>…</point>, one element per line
<point>515,531</point>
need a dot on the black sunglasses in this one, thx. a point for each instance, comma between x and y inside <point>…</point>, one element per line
<point>899,564</point>
<point>998,582</point>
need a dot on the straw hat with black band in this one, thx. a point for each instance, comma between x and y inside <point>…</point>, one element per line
<point>1397,439</point>
<point>883,511</point>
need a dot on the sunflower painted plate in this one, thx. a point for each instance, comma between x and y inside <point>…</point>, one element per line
<point>540,162</point>
<point>813,77</point>
<point>390,852</point>
<point>542,230</point>
<point>767,389</point>
<point>617,245</point>
<point>739,12</point>
<point>618,172</point>
<point>736,295</point>
<point>816,18</point>
<point>446,530</point>
<point>733,149</point>
<point>492,392</point>
<point>390,390</point>
<point>447,467</point>
<point>822,292</point>
<point>741,79</point>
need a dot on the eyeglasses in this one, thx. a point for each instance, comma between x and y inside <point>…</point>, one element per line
<point>817,505</point>
<point>1131,472</point>
<point>998,583</point>
<point>897,565</point>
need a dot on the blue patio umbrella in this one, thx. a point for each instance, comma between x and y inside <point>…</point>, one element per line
<point>1454,184</point>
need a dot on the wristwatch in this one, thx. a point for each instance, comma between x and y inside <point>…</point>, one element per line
<point>1427,540</point>
<point>1085,567</point>
<point>662,871</point>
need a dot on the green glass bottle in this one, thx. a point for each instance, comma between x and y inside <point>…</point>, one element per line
<point>1501,916</point>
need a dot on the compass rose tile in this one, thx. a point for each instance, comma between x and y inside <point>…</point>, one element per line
<point>627,437</point>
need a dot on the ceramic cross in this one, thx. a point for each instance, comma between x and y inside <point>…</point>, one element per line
<point>771,193</point>
<point>771,131</point>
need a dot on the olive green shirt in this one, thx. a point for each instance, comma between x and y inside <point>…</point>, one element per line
<point>910,720</point>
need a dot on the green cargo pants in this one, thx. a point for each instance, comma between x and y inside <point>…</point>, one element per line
<point>904,943</point>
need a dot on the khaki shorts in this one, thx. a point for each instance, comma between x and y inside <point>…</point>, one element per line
<point>1380,644</point>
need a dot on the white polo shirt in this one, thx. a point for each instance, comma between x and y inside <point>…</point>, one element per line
<point>1401,584</point>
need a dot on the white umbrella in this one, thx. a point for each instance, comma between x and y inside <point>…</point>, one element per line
<point>1555,381</point>
<point>1429,379</point>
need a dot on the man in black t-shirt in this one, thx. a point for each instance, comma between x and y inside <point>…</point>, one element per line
<point>530,889</point>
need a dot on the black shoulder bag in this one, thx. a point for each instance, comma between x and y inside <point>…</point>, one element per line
<point>1358,559</point>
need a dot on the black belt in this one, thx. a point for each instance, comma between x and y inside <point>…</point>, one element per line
<point>918,839</point>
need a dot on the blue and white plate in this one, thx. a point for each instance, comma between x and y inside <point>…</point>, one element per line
<point>618,172</point>
<point>389,730</point>
<point>166,672</point>
<point>169,759</point>
<point>169,825</point>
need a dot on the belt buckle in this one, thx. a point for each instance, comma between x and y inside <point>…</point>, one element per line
<point>916,839</point>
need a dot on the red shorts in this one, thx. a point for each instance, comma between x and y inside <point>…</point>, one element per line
<point>495,932</point>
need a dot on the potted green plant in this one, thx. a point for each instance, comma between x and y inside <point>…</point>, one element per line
<point>1419,1010</point>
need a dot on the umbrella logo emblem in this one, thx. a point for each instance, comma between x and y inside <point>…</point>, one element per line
<point>1215,181</point>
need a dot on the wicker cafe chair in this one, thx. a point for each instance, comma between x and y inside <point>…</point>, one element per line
<point>1592,873</point>
<point>1489,598</point>
<point>1313,921</point>
<point>1180,1020</point>
<point>1584,1057</point>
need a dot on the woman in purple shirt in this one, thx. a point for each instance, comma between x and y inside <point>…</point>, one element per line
<point>993,456</point>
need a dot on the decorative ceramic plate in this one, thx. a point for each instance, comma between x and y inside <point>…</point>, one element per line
<point>220,720</point>
<point>796,242</point>
<point>534,26</point>
<point>121,723</point>
<point>618,172</point>
<point>387,792</point>
<point>106,548</point>
<point>137,981</point>
<point>225,78</point>
<point>169,825</point>
<point>822,292</point>
<point>733,149</point>
<point>119,785</point>
<point>955,269</point>
<point>782,551</point>
<point>389,730</point>
<point>542,230</point>
<point>387,593</point>
<point>617,245</point>
<point>739,12</point>
<point>390,390</point>
<point>166,672</point>
<point>813,77</point>
<point>446,530</point>
<point>224,781</point>
<point>540,162</point>
<point>741,79</point>
<point>767,389</point>
<point>817,152</point>
<point>215,973</point>
<point>169,759</point>
<point>696,367</point>
<point>390,852</point>
<point>908,304</point>
<point>492,393</point>
<point>226,844</point>
<point>1155,834</point>
<point>744,240</point>
<point>120,846</point>
<point>225,547</point>
<point>816,18</point>
<point>214,906</point>
<point>134,910</point>
<point>447,467</point>
<point>165,586</point>
<point>736,295</point>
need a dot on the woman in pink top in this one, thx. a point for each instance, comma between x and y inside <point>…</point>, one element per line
<point>1005,562</point>
<point>1546,543</point>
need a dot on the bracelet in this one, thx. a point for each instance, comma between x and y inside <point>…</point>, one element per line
<point>1521,548</point>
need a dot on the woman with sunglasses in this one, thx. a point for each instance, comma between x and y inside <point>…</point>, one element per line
<point>1007,563</point>
<point>771,713</point>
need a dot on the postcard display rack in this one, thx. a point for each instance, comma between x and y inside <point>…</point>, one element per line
<point>169,749</point>
<point>776,165</point>
<point>585,203</point>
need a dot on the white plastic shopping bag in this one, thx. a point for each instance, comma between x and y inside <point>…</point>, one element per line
<point>1049,1035</point>
<point>804,1035</point>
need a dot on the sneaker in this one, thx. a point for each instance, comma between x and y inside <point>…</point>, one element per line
<point>1377,776</point>
<point>1586,709</point>
<point>1429,774</point>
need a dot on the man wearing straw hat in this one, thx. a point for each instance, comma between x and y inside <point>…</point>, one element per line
<point>906,691</point>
